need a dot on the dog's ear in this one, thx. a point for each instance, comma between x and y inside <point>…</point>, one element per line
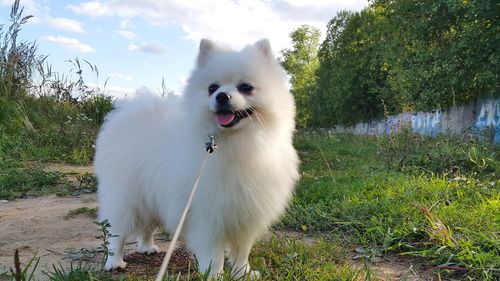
<point>206,48</point>
<point>265,48</point>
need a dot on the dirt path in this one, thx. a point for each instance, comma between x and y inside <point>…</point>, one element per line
<point>40,226</point>
<point>68,169</point>
<point>37,226</point>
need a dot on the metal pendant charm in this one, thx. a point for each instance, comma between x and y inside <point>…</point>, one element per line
<point>211,145</point>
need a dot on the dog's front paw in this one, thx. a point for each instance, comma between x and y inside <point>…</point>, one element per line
<point>114,264</point>
<point>148,249</point>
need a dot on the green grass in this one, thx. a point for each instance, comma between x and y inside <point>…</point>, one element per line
<point>349,197</point>
<point>276,259</point>
<point>283,258</point>
<point>16,182</point>
<point>83,211</point>
<point>45,115</point>
<point>20,180</point>
<point>48,129</point>
<point>452,219</point>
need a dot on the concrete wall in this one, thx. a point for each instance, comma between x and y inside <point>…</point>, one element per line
<point>488,118</point>
<point>481,118</point>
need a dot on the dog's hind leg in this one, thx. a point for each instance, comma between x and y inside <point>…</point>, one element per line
<point>145,240</point>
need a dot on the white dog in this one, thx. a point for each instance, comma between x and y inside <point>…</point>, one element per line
<point>150,150</point>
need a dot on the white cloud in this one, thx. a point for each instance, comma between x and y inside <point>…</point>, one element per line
<point>236,22</point>
<point>319,10</point>
<point>29,5</point>
<point>125,23</point>
<point>65,24</point>
<point>41,16</point>
<point>148,48</point>
<point>117,75</point>
<point>70,43</point>
<point>120,92</point>
<point>91,8</point>
<point>114,91</point>
<point>182,80</point>
<point>127,34</point>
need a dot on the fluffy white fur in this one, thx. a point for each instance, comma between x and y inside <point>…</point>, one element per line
<point>150,150</point>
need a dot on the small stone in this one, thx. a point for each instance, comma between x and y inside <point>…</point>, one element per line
<point>4,201</point>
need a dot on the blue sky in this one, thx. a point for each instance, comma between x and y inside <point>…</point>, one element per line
<point>137,43</point>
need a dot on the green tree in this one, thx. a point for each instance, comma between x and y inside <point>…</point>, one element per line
<point>399,55</point>
<point>444,52</point>
<point>301,62</point>
<point>352,75</point>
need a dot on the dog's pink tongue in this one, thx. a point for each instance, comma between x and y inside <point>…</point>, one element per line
<point>225,118</point>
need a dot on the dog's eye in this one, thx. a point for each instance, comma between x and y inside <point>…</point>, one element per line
<point>212,88</point>
<point>245,88</point>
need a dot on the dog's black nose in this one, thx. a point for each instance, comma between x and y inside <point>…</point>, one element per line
<point>223,98</point>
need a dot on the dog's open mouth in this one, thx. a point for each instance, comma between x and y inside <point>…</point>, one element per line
<point>228,118</point>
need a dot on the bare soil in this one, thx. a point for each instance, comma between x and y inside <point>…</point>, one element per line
<point>398,268</point>
<point>40,227</point>
<point>37,226</point>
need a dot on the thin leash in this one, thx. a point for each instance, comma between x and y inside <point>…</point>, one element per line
<point>210,147</point>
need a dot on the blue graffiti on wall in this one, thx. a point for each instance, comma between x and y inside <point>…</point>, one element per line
<point>489,118</point>
<point>392,125</point>
<point>427,124</point>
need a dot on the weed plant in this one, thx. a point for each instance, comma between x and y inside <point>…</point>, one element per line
<point>44,115</point>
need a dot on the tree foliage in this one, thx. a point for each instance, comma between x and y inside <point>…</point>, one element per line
<point>301,62</point>
<point>396,56</point>
<point>446,52</point>
<point>351,79</point>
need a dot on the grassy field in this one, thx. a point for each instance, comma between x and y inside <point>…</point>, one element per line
<point>359,197</point>
<point>440,200</point>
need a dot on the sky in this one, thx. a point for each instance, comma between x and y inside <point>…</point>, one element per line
<point>137,43</point>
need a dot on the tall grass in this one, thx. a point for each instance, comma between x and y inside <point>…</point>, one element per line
<point>45,115</point>
<point>18,59</point>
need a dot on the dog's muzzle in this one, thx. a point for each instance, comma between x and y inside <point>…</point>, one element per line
<point>228,118</point>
